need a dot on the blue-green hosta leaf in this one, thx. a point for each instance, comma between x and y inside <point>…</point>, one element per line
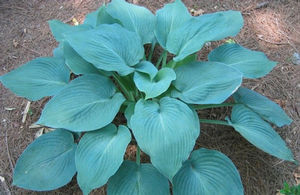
<point>208,172</point>
<point>147,68</point>
<point>129,112</point>
<point>76,63</point>
<point>38,78</point>
<point>168,19</point>
<point>60,29</point>
<point>109,47</point>
<point>266,108</point>
<point>166,131</point>
<point>99,155</point>
<point>87,103</point>
<point>59,51</point>
<point>136,179</point>
<point>156,86</point>
<point>47,163</point>
<point>205,82</point>
<point>134,18</point>
<point>252,64</point>
<point>258,132</point>
<point>191,36</point>
<point>100,16</point>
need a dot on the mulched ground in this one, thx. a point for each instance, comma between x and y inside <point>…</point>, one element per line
<point>273,29</point>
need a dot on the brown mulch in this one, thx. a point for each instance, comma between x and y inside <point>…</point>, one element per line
<point>273,29</point>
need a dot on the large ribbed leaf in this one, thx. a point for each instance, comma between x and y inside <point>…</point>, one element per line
<point>60,29</point>
<point>252,64</point>
<point>208,172</point>
<point>99,155</point>
<point>109,47</point>
<point>76,63</point>
<point>134,18</point>
<point>47,163</point>
<point>267,109</point>
<point>166,130</point>
<point>100,16</point>
<point>38,78</point>
<point>169,18</point>
<point>205,82</point>
<point>191,36</point>
<point>136,179</point>
<point>87,103</point>
<point>58,52</point>
<point>156,86</point>
<point>258,132</point>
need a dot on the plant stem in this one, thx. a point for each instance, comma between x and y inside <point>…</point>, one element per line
<point>172,64</point>
<point>160,59</point>
<point>217,122</point>
<point>165,55</point>
<point>205,106</point>
<point>131,96</point>
<point>151,52</point>
<point>123,87</point>
<point>138,155</point>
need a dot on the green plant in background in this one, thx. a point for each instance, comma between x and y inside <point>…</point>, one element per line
<point>159,100</point>
<point>290,190</point>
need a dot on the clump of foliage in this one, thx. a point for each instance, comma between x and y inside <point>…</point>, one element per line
<point>290,190</point>
<point>159,100</point>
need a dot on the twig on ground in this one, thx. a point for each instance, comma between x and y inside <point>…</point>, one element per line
<point>30,49</point>
<point>272,42</point>
<point>8,153</point>
<point>25,112</point>
<point>14,7</point>
<point>257,6</point>
<point>68,19</point>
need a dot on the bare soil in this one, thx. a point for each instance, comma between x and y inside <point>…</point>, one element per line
<point>273,29</point>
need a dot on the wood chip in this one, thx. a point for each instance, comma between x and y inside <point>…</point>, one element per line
<point>39,133</point>
<point>9,109</point>
<point>4,184</point>
<point>34,126</point>
<point>47,130</point>
<point>25,112</point>
<point>297,177</point>
<point>15,43</point>
<point>262,5</point>
<point>197,12</point>
<point>2,179</point>
<point>75,22</point>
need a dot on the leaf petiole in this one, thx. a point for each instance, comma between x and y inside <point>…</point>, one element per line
<point>151,52</point>
<point>217,122</point>
<point>124,89</point>
<point>160,58</point>
<point>138,155</point>
<point>205,106</point>
<point>164,60</point>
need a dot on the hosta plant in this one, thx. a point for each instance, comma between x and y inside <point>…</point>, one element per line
<point>111,59</point>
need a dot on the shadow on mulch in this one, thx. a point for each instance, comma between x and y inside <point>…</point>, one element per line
<point>272,29</point>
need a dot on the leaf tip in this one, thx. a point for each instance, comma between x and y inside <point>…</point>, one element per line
<point>228,120</point>
<point>86,191</point>
<point>296,162</point>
